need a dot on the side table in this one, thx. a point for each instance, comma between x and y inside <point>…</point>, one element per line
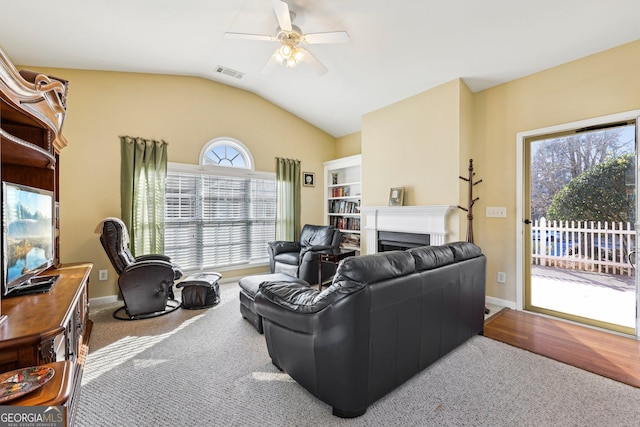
<point>334,256</point>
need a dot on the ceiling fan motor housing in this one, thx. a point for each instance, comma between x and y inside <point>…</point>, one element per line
<point>290,38</point>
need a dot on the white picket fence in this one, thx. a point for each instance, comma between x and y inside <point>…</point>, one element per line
<point>583,245</point>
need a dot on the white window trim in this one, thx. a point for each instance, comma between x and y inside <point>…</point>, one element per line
<point>219,170</point>
<point>226,140</point>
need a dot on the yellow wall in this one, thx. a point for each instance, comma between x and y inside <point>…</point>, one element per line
<point>467,116</point>
<point>598,85</point>
<point>186,112</point>
<point>348,145</point>
<point>415,144</point>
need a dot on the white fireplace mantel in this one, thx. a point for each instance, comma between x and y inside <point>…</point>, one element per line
<point>431,220</point>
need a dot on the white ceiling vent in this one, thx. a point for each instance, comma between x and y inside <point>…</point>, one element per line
<point>229,72</point>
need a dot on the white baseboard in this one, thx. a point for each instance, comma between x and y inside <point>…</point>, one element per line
<point>110,299</point>
<point>501,302</point>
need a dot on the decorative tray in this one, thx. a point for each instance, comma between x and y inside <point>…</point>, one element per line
<point>22,381</point>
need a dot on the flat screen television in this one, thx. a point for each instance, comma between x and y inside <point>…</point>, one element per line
<point>27,234</point>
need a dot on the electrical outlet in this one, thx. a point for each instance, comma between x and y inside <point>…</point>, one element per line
<point>496,212</point>
<point>103,275</point>
<point>502,277</point>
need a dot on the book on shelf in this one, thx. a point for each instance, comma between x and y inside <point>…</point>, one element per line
<point>352,224</point>
<point>344,206</point>
<point>340,191</point>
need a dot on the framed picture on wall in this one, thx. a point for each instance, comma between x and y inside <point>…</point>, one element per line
<point>396,196</point>
<point>308,179</point>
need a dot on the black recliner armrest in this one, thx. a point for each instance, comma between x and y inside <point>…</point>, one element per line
<point>317,248</point>
<point>177,271</point>
<point>312,249</point>
<point>152,267</point>
<point>281,246</point>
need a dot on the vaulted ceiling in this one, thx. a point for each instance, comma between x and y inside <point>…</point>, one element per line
<point>396,49</point>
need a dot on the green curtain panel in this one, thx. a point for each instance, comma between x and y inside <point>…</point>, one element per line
<point>287,199</point>
<point>142,189</point>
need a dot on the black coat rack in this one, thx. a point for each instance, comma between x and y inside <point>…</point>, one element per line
<point>469,209</point>
<point>471,201</point>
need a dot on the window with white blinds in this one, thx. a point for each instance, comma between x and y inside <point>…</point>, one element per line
<point>217,217</point>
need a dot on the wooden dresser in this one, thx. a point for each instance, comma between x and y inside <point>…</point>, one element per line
<point>52,327</point>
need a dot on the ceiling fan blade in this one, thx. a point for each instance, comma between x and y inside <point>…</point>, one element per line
<point>245,36</point>
<point>282,14</point>
<point>313,62</point>
<point>271,63</point>
<point>331,37</point>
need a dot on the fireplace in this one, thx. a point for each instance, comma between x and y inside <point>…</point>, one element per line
<point>420,225</point>
<point>396,241</point>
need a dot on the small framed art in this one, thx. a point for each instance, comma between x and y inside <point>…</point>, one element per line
<point>396,196</point>
<point>308,179</point>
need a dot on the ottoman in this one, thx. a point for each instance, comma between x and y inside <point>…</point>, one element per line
<point>200,290</point>
<point>249,288</point>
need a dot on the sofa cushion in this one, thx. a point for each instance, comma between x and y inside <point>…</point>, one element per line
<point>464,250</point>
<point>430,257</point>
<point>374,268</point>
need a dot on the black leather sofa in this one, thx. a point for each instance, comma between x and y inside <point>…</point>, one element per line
<point>384,318</point>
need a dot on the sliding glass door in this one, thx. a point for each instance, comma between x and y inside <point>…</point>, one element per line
<point>580,225</point>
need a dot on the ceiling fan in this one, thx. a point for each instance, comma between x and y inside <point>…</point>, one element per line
<point>290,53</point>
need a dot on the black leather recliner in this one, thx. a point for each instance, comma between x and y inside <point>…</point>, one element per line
<point>145,282</point>
<point>301,259</point>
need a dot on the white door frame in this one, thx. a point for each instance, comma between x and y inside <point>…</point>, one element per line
<point>520,174</point>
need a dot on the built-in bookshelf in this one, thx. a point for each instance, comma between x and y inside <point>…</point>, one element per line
<point>343,190</point>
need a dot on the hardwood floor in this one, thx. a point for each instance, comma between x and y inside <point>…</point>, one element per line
<point>603,353</point>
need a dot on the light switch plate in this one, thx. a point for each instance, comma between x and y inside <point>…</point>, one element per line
<point>496,212</point>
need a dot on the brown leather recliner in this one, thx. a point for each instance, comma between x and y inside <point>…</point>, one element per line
<point>301,259</point>
<point>145,282</point>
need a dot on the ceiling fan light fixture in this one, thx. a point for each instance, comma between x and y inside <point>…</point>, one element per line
<point>286,51</point>
<point>298,56</point>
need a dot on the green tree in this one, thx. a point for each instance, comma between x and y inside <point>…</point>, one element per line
<point>601,193</point>
<point>558,160</point>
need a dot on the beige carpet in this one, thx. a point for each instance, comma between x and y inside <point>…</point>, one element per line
<point>211,368</point>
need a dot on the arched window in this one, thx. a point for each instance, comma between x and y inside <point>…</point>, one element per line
<point>225,151</point>
<point>219,214</point>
